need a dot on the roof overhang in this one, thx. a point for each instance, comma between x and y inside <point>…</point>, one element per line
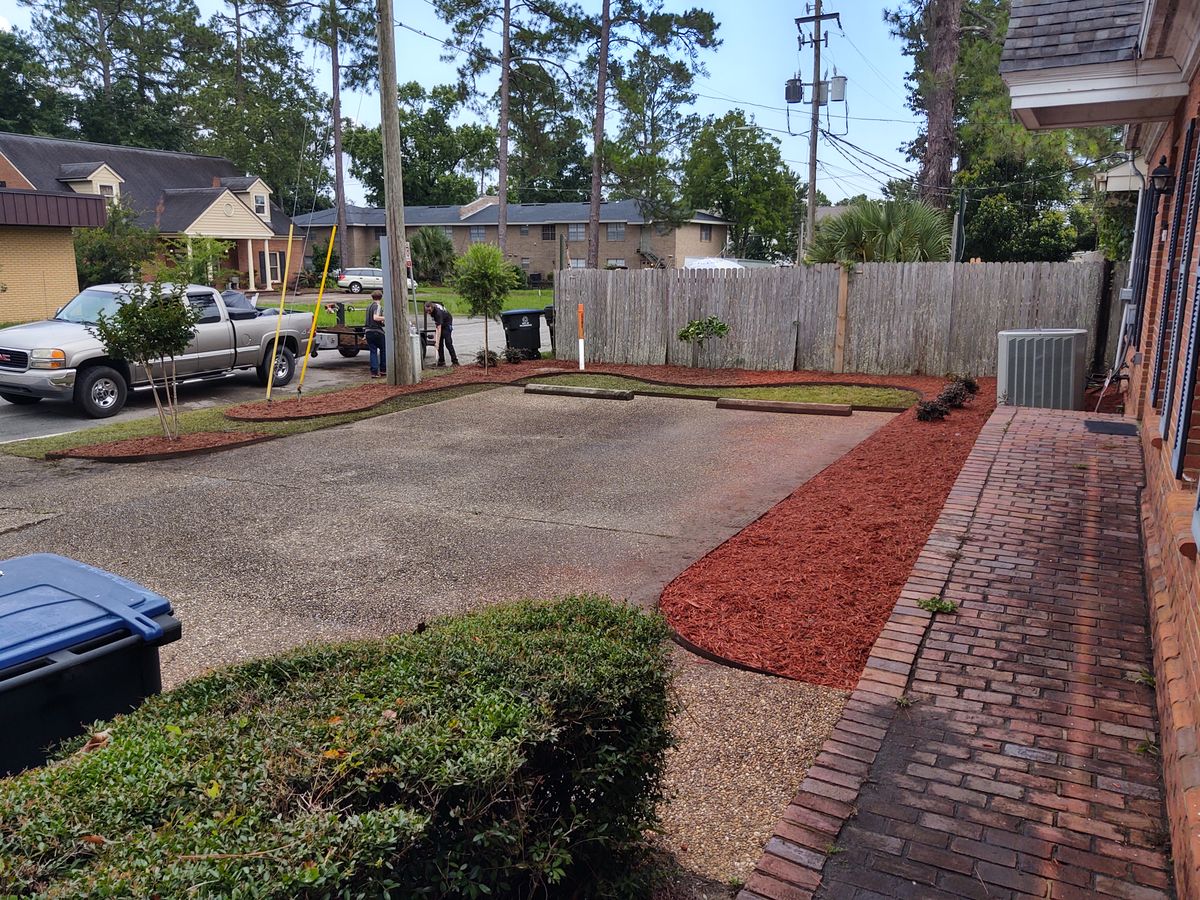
<point>1119,93</point>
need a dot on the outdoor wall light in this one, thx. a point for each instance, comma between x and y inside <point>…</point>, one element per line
<point>1163,178</point>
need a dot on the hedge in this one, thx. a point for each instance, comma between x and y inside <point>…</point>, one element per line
<point>516,752</point>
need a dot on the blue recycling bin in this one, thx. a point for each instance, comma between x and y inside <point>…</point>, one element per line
<point>77,644</point>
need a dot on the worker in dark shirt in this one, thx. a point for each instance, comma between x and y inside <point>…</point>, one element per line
<point>376,343</point>
<point>443,333</point>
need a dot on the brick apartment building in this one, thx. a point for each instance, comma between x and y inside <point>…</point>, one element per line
<point>1135,63</point>
<point>542,237</point>
<point>181,195</point>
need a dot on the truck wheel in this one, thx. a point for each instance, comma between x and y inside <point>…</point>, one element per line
<point>100,392</point>
<point>285,368</point>
<point>348,352</point>
<point>355,287</point>
<point>20,399</point>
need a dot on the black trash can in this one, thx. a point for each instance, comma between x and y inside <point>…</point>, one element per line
<point>548,312</point>
<point>77,644</point>
<point>523,330</point>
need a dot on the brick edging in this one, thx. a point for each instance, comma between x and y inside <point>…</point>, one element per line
<point>795,856</point>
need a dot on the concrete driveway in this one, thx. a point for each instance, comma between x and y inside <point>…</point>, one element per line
<point>371,528</point>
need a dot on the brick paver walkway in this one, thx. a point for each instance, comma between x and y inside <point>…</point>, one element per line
<point>1025,765</point>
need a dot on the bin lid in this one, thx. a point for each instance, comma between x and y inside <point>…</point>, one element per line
<point>521,312</point>
<point>49,603</point>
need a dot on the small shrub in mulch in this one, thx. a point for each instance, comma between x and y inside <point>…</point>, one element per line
<point>515,752</point>
<point>157,447</point>
<point>954,396</point>
<point>932,410</point>
<point>970,385</point>
<point>515,355</point>
<point>491,357</point>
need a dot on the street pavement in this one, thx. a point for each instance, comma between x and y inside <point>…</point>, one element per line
<point>326,370</point>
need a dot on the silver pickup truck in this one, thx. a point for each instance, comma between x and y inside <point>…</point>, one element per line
<point>61,359</point>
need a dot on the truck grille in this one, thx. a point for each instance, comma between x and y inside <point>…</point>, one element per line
<point>13,359</point>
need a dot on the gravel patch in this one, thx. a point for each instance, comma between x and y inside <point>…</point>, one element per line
<point>745,744</point>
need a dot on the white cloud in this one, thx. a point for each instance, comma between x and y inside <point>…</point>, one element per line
<point>5,25</point>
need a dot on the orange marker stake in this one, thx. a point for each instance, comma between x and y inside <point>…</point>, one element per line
<point>581,337</point>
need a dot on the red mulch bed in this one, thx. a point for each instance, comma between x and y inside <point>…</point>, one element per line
<point>804,591</point>
<point>147,449</point>
<point>365,396</point>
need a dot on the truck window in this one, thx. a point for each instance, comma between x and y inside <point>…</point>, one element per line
<point>206,305</point>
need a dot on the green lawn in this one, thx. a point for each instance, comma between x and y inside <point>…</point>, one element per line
<point>214,420</point>
<point>800,393</point>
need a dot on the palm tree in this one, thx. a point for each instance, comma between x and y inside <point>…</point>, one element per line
<point>882,231</point>
<point>432,255</point>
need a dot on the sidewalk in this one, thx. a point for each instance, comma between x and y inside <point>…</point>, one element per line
<point>1020,760</point>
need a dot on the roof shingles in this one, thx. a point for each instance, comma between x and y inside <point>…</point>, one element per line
<point>1051,34</point>
<point>149,175</point>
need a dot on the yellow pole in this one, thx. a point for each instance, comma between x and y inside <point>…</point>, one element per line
<point>316,312</point>
<point>287,267</point>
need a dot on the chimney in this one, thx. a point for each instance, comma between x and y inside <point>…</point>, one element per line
<point>476,205</point>
<point>216,181</point>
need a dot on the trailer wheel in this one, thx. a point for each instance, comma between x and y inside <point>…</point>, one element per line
<point>348,352</point>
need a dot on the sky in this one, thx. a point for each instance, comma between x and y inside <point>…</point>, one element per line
<point>758,54</point>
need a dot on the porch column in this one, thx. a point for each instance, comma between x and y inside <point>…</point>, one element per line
<point>267,262</point>
<point>250,264</point>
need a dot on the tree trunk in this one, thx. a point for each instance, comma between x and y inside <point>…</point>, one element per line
<point>239,75</point>
<point>339,178</point>
<point>485,344</point>
<point>944,17</point>
<point>502,158</point>
<point>593,253</point>
<point>105,53</point>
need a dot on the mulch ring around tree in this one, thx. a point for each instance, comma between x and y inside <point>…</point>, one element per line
<point>157,447</point>
<point>804,591</point>
<point>367,396</point>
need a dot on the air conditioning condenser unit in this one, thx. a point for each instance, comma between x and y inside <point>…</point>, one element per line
<point>1042,367</point>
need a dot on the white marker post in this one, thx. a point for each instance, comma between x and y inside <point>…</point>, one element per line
<point>581,337</point>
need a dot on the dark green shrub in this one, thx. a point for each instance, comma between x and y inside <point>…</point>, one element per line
<point>932,411</point>
<point>486,359</point>
<point>515,355</point>
<point>970,385</point>
<point>954,396</point>
<point>512,753</point>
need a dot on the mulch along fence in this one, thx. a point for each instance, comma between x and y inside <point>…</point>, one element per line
<point>805,590</point>
<point>921,318</point>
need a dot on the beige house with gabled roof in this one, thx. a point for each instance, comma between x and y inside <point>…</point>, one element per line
<point>181,195</point>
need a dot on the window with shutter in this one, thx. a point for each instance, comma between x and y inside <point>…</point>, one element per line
<point>1187,395</point>
<point>1164,305</point>
<point>1185,268</point>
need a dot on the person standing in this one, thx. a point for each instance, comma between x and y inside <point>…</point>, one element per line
<point>375,336</point>
<point>443,336</point>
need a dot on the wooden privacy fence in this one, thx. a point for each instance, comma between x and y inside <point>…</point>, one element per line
<point>882,318</point>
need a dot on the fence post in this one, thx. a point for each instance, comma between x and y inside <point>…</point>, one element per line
<point>843,301</point>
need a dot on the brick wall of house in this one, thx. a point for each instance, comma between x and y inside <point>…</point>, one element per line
<point>688,241</point>
<point>1172,572</point>
<point>37,267</point>
<point>11,177</point>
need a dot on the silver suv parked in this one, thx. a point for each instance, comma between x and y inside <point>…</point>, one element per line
<point>358,280</point>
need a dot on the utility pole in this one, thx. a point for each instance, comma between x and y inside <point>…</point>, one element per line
<point>399,345</point>
<point>502,155</point>
<point>815,39</point>
<point>339,178</point>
